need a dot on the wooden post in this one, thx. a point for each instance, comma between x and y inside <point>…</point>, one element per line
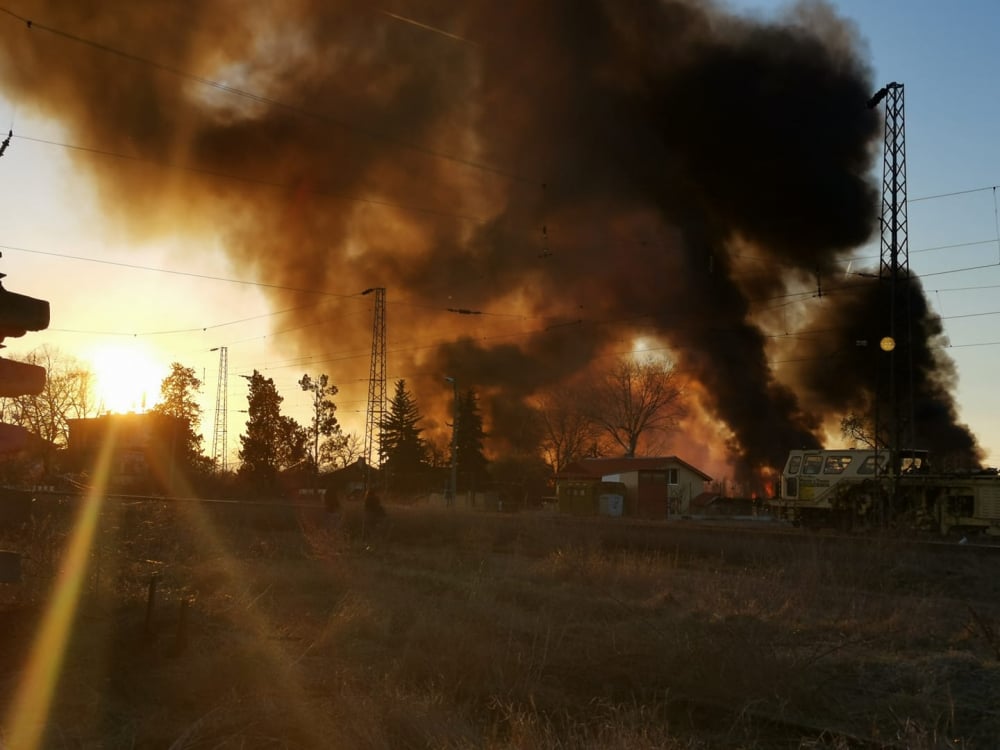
<point>151,602</point>
<point>180,643</point>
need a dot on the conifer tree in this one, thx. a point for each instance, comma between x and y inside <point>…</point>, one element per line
<point>469,435</point>
<point>402,450</point>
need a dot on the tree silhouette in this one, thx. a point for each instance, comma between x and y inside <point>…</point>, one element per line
<point>634,398</point>
<point>469,435</point>
<point>68,394</point>
<point>324,419</point>
<point>402,450</point>
<point>273,442</point>
<point>569,432</point>
<point>342,449</point>
<point>178,399</point>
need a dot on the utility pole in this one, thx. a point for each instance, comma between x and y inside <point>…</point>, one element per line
<point>219,449</point>
<point>453,482</point>
<point>894,272</point>
<point>376,384</point>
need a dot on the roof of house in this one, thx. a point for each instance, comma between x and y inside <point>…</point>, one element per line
<point>594,468</point>
<point>14,438</point>
<point>357,471</point>
<point>704,499</point>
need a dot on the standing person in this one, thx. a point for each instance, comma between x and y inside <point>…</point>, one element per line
<point>373,510</point>
<point>331,506</point>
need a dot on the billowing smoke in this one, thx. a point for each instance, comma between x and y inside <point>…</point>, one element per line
<point>843,369</point>
<point>536,184</point>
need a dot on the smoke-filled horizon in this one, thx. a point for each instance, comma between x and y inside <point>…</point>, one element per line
<point>578,175</point>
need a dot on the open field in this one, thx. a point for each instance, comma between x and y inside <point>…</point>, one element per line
<point>449,629</point>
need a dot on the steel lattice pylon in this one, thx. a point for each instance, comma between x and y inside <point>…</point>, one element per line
<point>376,381</point>
<point>219,448</point>
<point>894,277</point>
<point>895,265</point>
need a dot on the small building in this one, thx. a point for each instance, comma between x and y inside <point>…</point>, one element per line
<point>587,496</point>
<point>143,450</point>
<point>350,482</point>
<point>655,487</point>
<point>24,457</point>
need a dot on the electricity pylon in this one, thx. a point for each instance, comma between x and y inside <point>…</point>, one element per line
<point>376,381</point>
<point>219,451</point>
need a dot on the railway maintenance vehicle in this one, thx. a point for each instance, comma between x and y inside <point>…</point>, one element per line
<point>852,489</point>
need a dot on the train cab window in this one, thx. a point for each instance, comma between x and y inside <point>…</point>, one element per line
<point>868,466</point>
<point>812,463</point>
<point>793,464</point>
<point>836,464</point>
<point>915,463</point>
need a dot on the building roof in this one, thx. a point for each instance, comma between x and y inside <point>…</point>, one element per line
<point>595,468</point>
<point>358,471</point>
<point>704,499</point>
<point>14,439</point>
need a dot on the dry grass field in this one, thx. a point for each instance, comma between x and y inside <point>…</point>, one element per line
<point>452,629</point>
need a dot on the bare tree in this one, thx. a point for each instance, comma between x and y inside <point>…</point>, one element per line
<point>859,430</point>
<point>341,450</point>
<point>636,397</point>
<point>324,417</point>
<point>569,433</point>
<point>68,394</point>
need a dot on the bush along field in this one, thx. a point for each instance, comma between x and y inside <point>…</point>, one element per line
<point>186,625</point>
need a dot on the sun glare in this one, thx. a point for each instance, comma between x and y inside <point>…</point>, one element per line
<point>127,378</point>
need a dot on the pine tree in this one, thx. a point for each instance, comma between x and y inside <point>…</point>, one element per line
<point>273,442</point>
<point>402,450</point>
<point>469,435</point>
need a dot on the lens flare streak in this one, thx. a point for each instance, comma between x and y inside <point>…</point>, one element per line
<point>27,715</point>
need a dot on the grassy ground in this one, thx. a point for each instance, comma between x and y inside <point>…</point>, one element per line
<point>448,629</point>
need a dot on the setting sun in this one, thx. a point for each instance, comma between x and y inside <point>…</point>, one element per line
<point>127,377</point>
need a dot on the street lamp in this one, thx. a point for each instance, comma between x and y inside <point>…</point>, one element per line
<point>452,487</point>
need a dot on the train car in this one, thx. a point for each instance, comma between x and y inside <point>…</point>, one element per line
<point>859,488</point>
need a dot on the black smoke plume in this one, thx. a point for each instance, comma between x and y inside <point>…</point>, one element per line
<point>580,173</point>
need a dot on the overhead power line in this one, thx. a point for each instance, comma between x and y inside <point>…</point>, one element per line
<point>262,284</point>
<point>370,133</point>
<point>196,329</point>
<point>953,194</point>
<point>255,180</point>
<point>175,272</point>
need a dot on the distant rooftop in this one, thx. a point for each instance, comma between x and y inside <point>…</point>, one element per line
<point>589,468</point>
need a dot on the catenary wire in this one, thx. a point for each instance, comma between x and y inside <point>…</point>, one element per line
<point>32,24</point>
<point>254,180</point>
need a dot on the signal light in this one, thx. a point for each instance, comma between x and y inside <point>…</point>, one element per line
<point>19,314</point>
<point>20,379</point>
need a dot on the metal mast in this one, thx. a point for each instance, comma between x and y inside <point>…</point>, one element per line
<point>894,268</point>
<point>376,381</point>
<point>219,451</point>
<point>895,264</point>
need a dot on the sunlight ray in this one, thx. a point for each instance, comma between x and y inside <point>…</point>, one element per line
<point>28,714</point>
